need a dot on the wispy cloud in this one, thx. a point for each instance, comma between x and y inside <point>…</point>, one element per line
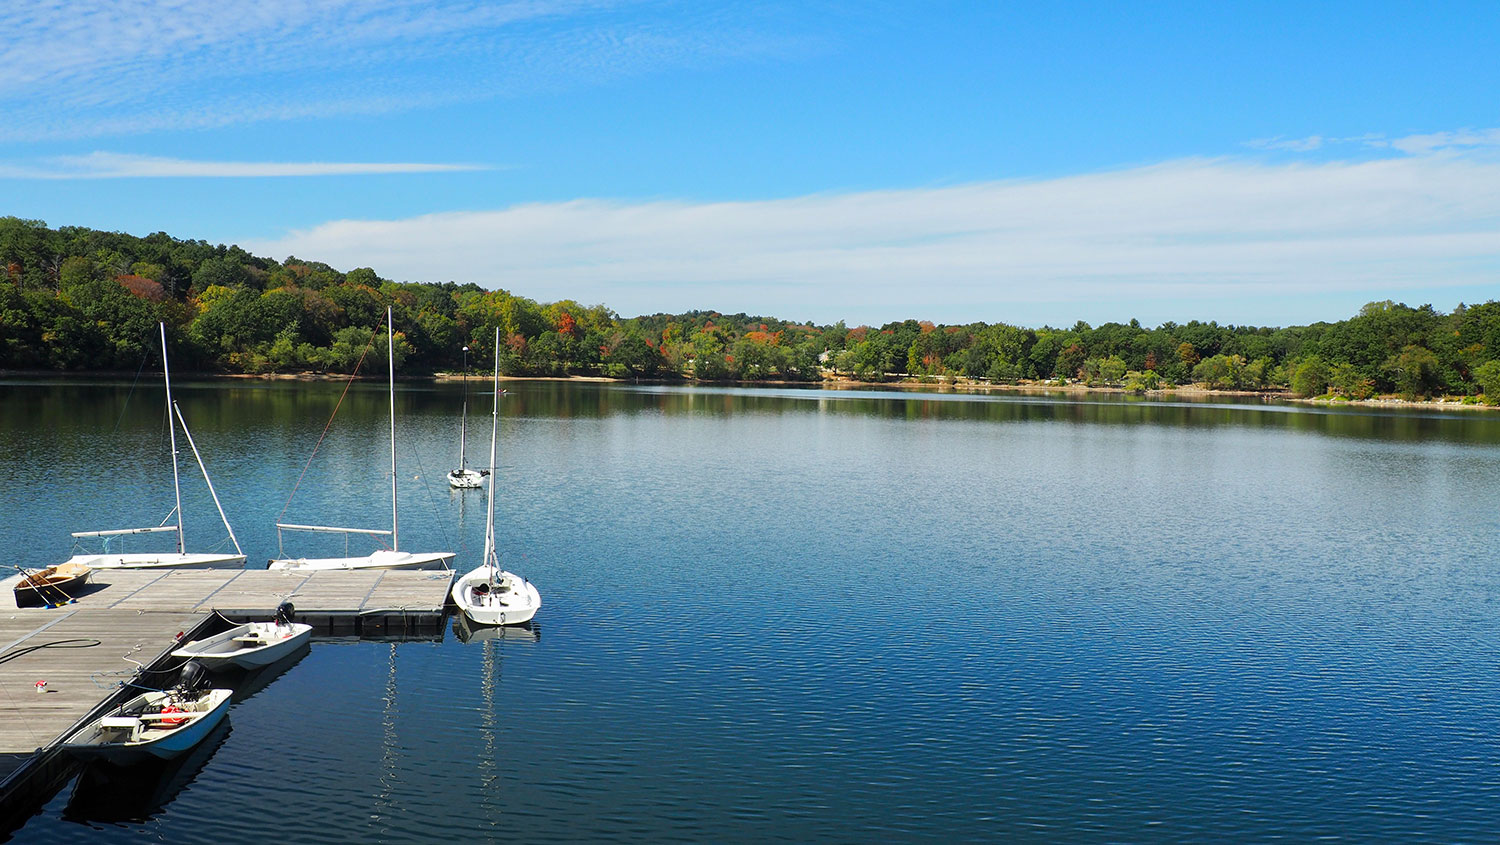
<point>95,67</point>
<point>1156,239</point>
<point>104,165</point>
<point>1447,141</point>
<point>1416,144</point>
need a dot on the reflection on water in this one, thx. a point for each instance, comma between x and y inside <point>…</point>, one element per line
<point>852,616</point>
<point>468,632</point>
<point>123,794</point>
<point>248,684</point>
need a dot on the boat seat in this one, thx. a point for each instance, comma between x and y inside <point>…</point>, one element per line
<point>120,728</point>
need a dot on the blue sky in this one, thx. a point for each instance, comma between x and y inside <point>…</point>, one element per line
<point>1268,163</point>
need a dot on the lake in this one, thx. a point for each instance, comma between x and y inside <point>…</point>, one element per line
<point>832,615</point>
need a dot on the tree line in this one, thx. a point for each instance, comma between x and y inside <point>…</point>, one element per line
<point>75,298</point>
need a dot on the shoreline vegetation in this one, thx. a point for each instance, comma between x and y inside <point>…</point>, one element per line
<point>75,300</point>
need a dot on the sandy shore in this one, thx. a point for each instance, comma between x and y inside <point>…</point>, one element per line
<point>1447,403</point>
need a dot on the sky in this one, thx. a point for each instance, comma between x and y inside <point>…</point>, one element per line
<point>1269,163</point>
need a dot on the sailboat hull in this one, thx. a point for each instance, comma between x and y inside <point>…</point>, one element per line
<point>505,599</point>
<point>466,479</point>
<point>152,560</point>
<point>378,560</point>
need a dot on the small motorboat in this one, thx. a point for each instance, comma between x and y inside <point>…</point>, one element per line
<point>251,645</point>
<point>52,586</point>
<point>159,724</point>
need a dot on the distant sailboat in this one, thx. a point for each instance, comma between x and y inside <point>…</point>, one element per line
<point>392,558</point>
<point>487,594</point>
<point>181,558</point>
<point>464,478</point>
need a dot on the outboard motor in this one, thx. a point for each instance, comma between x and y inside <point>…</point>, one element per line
<point>192,680</point>
<point>284,613</point>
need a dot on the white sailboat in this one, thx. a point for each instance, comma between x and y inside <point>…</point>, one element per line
<point>392,558</point>
<point>181,558</point>
<point>487,594</point>
<point>464,478</point>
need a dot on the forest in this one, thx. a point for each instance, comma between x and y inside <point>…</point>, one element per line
<point>82,299</point>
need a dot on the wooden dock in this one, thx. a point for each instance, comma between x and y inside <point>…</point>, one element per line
<point>136,615</point>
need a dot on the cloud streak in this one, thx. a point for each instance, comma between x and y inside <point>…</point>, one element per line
<point>104,165</point>
<point>90,68</point>
<point>1162,240</point>
<point>1463,140</point>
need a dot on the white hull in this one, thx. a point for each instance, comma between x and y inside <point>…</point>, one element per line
<point>466,479</point>
<point>124,737</point>
<point>248,646</point>
<point>505,599</point>
<point>158,560</point>
<point>379,560</point>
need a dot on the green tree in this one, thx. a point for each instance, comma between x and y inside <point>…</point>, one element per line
<point>1414,371</point>
<point>1487,376</point>
<point>1140,382</point>
<point>1112,369</point>
<point>1310,378</point>
<point>1350,381</point>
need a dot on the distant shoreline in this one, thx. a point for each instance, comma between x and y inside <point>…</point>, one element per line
<point>1442,404</point>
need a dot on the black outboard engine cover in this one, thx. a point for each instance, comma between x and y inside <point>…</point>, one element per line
<point>284,612</point>
<point>192,680</point>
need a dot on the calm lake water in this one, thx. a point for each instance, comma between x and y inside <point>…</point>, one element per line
<point>845,616</point>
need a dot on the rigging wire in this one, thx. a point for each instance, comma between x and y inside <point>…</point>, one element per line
<point>131,392</point>
<point>329,424</point>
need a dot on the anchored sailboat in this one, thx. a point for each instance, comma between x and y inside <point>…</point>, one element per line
<point>162,560</point>
<point>392,558</point>
<point>487,594</point>
<point>464,478</point>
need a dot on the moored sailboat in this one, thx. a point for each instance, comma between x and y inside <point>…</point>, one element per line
<point>464,478</point>
<point>487,594</point>
<point>181,558</point>
<point>392,558</point>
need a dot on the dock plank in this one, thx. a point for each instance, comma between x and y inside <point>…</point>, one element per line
<point>138,613</point>
<point>410,590</point>
<point>77,678</point>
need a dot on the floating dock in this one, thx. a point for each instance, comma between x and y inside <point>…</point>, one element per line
<point>135,616</point>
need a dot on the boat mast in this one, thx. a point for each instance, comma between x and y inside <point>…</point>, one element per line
<point>187,432</point>
<point>463,425</point>
<point>490,558</point>
<point>172,430</point>
<point>390,362</point>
